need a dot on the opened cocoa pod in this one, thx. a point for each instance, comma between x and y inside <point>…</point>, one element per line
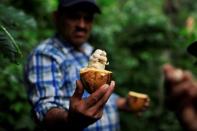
<point>92,78</point>
<point>137,101</point>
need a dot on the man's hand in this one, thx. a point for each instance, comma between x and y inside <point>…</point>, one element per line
<point>180,87</point>
<point>181,96</point>
<point>123,104</point>
<point>83,112</point>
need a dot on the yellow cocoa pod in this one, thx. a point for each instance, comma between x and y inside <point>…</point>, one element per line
<point>137,101</point>
<point>92,78</point>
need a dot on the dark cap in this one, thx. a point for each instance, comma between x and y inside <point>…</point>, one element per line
<point>192,48</point>
<point>89,4</point>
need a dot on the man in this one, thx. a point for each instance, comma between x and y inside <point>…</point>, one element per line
<point>52,75</point>
<point>181,93</point>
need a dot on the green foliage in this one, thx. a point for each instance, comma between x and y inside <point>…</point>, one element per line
<point>14,109</point>
<point>139,37</point>
<point>8,46</point>
<point>10,23</point>
<point>14,20</point>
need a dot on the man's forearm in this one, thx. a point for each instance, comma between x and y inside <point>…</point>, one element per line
<point>121,103</point>
<point>59,119</point>
<point>188,118</point>
<point>56,118</point>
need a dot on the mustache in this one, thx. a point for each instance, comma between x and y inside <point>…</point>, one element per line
<point>79,29</point>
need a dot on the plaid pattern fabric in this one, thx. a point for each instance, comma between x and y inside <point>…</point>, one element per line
<point>50,74</point>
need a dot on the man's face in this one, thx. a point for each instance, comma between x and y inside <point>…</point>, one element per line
<point>76,26</point>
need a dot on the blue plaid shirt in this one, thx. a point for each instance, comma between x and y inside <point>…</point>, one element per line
<point>51,73</point>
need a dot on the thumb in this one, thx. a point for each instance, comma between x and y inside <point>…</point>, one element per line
<point>79,90</point>
<point>173,74</point>
<point>167,68</point>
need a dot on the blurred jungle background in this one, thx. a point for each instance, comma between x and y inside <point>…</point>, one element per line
<point>139,37</point>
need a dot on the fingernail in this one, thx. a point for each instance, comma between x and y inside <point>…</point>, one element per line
<point>105,86</point>
<point>112,83</point>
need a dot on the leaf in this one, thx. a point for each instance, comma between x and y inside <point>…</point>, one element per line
<point>8,46</point>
